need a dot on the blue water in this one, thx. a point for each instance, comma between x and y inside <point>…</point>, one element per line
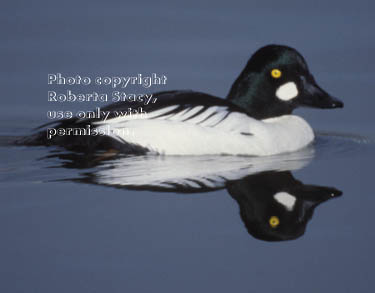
<point>68,225</point>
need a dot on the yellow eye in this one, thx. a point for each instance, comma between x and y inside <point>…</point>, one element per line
<point>274,221</point>
<point>275,73</point>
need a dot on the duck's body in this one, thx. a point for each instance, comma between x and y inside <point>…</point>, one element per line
<point>256,118</point>
<point>198,124</point>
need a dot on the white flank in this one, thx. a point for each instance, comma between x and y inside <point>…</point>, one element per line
<point>215,131</point>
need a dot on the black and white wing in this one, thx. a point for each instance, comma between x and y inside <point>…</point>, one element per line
<point>182,123</point>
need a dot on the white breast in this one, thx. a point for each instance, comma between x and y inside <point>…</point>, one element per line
<point>224,132</point>
<point>284,134</point>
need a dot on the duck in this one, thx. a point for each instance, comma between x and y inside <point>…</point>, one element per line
<point>255,119</point>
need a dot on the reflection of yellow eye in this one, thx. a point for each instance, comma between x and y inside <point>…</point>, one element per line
<point>276,73</point>
<point>274,221</point>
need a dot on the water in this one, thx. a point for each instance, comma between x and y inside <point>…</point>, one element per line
<point>71,223</point>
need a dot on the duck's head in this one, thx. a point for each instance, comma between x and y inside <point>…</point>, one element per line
<point>275,81</point>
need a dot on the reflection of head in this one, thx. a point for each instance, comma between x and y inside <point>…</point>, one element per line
<point>276,207</point>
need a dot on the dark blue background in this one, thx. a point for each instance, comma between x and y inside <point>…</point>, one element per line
<point>70,237</point>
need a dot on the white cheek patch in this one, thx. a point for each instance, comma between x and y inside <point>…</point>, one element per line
<point>285,199</point>
<point>287,91</point>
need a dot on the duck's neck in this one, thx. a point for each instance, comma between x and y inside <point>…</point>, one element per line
<point>257,99</point>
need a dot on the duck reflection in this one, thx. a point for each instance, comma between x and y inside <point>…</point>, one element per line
<point>273,205</point>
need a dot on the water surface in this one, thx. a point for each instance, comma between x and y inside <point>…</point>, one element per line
<point>70,224</point>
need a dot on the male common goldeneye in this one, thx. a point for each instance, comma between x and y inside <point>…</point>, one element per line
<point>255,119</point>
